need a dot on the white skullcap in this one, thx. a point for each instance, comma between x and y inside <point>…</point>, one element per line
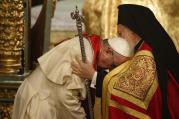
<point>121,46</point>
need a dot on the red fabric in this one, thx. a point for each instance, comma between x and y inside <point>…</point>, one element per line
<point>118,114</point>
<point>96,44</point>
<point>145,46</point>
<point>153,111</point>
<point>155,105</point>
<point>127,103</point>
<point>173,97</point>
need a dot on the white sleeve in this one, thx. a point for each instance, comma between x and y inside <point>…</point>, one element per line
<point>93,81</point>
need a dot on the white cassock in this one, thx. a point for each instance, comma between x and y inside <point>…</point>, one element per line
<point>52,91</point>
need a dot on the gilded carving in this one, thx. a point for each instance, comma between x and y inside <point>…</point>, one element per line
<point>11,35</point>
<point>7,93</point>
<point>6,110</point>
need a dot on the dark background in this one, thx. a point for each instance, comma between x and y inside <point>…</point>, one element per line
<point>36,2</point>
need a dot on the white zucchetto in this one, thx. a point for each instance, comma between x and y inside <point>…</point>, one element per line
<point>121,46</point>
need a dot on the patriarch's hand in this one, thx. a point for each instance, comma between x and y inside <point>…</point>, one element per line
<point>83,70</point>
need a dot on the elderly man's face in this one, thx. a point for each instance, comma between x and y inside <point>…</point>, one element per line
<point>125,33</point>
<point>105,58</point>
<point>108,59</point>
